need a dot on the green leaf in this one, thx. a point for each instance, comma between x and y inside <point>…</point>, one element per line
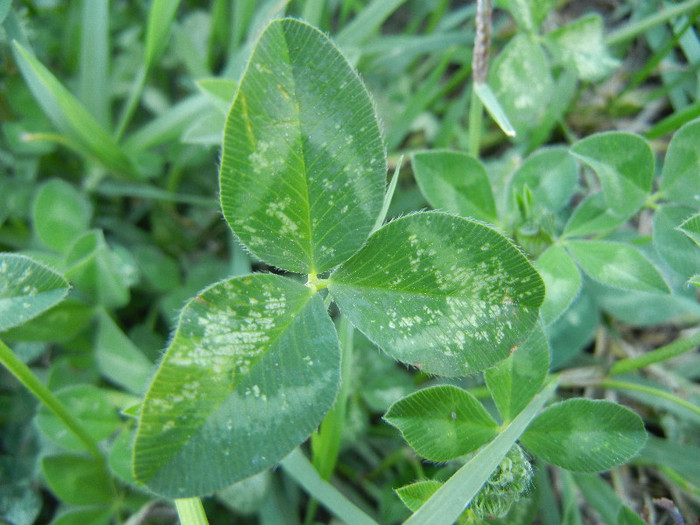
<point>62,322</point>
<point>95,270</point>
<point>251,371</point>
<point>691,228</point>
<point>440,292</point>
<point>562,282</point>
<point>618,265</point>
<point>61,214</point>
<point>624,164</point>
<point>627,516</point>
<point>301,184</point>
<point>551,175</point>
<point>679,177</point>
<point>415,494</point>
<point>514,381</point>
<point>582,43</point>
<point>118,359</point>
<point>442,422</point>
<point>27,289</point>
<point>592,215</point>
<point>95,90</point>
<point>528,14</point>
<point>524,100</point>
<point>219,91</point>
<point>69,115</point>
<point>673,238</point>
<point>78,480</point>
<point>87,403</point>
<point>91,515</point>
<point>455,182</point>
<point>583,435</point>
<point>448,503</point>
<point>247,496</point>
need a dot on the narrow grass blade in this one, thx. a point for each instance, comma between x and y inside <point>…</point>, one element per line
<point>303,472</point>
<point>368,21</point>
<point>160,20</point>
<point>490,102</point>
<point>452,498</point>
<point>69,115</point>
<point>94,59</point>
<point>387,197</point>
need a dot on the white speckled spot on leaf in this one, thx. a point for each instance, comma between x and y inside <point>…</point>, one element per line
<point>446,294</point>
<point>253,368</point>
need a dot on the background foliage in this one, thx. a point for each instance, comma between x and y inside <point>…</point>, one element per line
<point>112,116</point>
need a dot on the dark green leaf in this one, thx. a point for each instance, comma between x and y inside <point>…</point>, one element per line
<point>679,177</point>
<point>514,381</point>
<point>618,265</point>
<point>251,371</point>
<point>27,289</point>
<point>303,167</point>
<point>440,292</point>
<point>442,422</point>
<point>585,435</point>
<point>627,516</point>
<point>91,515</point>
<point>455,182</point>
<point>61,214</point>
<point>624,164</point>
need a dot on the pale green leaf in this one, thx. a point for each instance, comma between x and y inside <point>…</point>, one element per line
<point>582,43</point>
<point>679,177</point>
<point>70,116</point>
<point>219,91</point>
<point>96,270</point>
<point>618,265</point>
<point>627,516</point>
<point>624,164</point>
<point>585,435</point>
<point>593,215</point>
<point>675,239</point>
<point>514,381</point>
<point>551,175</point>
<point>443,293</point>
<point>118,359</point>
<point>251,371</point>
<point>528,14</point>
<point>61,214</point>
<point>94,59</point>
<point>562,282</point>
<point>87,403</point>
<point>691,228</point>
<point>455,182</point>
<point>415,494</point>
<point>442,422</point>
<point>27,289</point>
<point>303,166</point>
<point>522,82</point>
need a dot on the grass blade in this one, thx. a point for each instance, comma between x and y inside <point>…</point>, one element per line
<point>70,116</point>
<point>94,59</point>
<point>300,468</point>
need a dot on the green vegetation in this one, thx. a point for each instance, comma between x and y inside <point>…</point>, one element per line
<point>503,328</point>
